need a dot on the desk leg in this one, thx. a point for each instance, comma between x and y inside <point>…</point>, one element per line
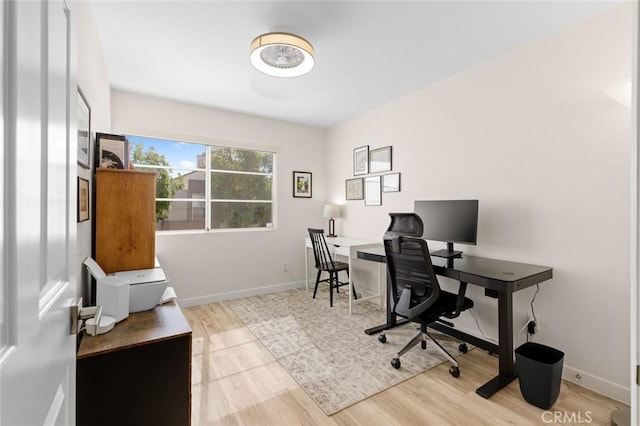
<point>382,283</point>
<point>350,285</point>
<point>306,267</point>
<point>392,320</point>
<point>506,371</point>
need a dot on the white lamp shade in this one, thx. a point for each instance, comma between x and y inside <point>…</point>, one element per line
<point>331,210</point>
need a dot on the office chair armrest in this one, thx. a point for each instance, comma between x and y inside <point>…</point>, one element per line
<point>403,305</point>
<point>459,301</point>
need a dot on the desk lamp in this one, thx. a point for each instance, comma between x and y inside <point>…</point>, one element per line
<point>331,211</point>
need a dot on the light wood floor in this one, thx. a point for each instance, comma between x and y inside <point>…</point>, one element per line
<point>236,381</point>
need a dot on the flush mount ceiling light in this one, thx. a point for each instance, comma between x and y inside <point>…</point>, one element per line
<point>281,55</point>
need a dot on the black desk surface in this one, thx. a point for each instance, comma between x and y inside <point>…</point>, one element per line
<point>498,275</point>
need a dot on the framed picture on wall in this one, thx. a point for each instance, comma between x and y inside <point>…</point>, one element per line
<point>361,160</point>
<point>354,189</point>
<point>83,199</point>
<point>84,130</point>
<point>391,182</point>
<point>380,160</point>
<point>302,184</point>
<point>112,150</point>
<point>372,192</point>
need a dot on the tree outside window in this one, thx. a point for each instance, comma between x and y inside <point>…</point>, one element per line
<point>240,182</point>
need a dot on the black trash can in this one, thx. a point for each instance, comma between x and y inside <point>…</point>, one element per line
<point>539,369</point>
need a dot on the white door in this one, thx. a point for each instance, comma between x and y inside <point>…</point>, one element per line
<point>38,157</point>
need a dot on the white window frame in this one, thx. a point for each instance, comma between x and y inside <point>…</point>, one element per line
<point>208,200</point>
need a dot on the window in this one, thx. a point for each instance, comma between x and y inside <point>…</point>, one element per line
<point>202,186</point>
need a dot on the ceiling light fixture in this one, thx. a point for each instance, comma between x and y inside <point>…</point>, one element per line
<point>281,55</point>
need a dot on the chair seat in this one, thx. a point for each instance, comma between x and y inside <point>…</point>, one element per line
<point>338,266</point>
<point>445,304</point>
<point>447,301</point>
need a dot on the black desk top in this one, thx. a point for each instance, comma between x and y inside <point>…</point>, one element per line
<point>498,275</point>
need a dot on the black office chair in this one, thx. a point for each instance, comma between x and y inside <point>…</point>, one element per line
<point>416,292</point>
<point>325,263</point>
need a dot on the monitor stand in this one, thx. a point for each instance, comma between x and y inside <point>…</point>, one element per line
<point>449,252</point>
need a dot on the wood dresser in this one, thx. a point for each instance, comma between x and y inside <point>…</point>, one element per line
<point>139,373</point>
<point>125,220</point>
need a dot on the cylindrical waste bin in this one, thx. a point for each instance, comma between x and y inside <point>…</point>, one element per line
<point>539,369</point>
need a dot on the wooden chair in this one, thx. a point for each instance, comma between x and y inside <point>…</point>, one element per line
<point>324,263</point>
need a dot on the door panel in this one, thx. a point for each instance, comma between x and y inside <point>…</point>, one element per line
<point>54,152</point>
<point>37,377</point>
<point>3,311</point>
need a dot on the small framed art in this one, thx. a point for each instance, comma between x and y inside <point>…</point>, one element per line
<point>361,160</point>
<point>302,184</point>
<point>113,151</point>
<point>84,130</point>
<point>372,192</point>
<point>380,160</point>
<point>354,189</point>
<point>391,182</point>
<point>83,199</point>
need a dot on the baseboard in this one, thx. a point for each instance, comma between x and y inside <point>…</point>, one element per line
<point>256,291</point>
<point>597,384</point>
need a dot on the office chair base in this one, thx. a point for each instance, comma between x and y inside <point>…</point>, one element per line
<point>421,337</point>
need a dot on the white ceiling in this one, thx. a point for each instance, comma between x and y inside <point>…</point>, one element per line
<point>367,53</point>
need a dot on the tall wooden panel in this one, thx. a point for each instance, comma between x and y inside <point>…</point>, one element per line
<point>125,219</point>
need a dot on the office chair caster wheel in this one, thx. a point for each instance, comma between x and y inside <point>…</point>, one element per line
<point>454,371</point>
<point>382,338</point>
<point>395,363</point>
<point>463,348</point>
<point>423,344</point>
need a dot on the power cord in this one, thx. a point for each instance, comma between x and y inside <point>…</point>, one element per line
<point>533,312</point>
<point>517,342</point>
<point>479,328</point>
<point>531,325</point>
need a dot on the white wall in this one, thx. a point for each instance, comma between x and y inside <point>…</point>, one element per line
<point>94,83</point>
<point>533,137</point>
<point>205,267</point>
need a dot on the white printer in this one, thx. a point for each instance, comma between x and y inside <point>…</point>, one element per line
<point>145,290</point>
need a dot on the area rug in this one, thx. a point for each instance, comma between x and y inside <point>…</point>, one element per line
<point>327,351</point>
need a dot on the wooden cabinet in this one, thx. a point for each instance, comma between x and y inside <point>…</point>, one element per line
<point>139,373</point>
<point>125,219</point>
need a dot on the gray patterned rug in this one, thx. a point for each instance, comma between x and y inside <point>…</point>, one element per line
<point>327,351</point>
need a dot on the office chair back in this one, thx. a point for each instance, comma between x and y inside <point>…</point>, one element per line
<point>414,285</point>
<point>321,253</point>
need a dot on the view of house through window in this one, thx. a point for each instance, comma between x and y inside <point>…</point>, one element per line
<point>202,186</point>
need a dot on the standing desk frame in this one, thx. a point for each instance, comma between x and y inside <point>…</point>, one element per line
<point>500,279</point>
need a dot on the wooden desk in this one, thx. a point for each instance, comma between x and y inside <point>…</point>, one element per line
<point>139,373</point>
<point>499,279</point>
<point>347,247</point>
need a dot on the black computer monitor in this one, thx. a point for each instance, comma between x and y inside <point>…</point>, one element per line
<point>450,221</point>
